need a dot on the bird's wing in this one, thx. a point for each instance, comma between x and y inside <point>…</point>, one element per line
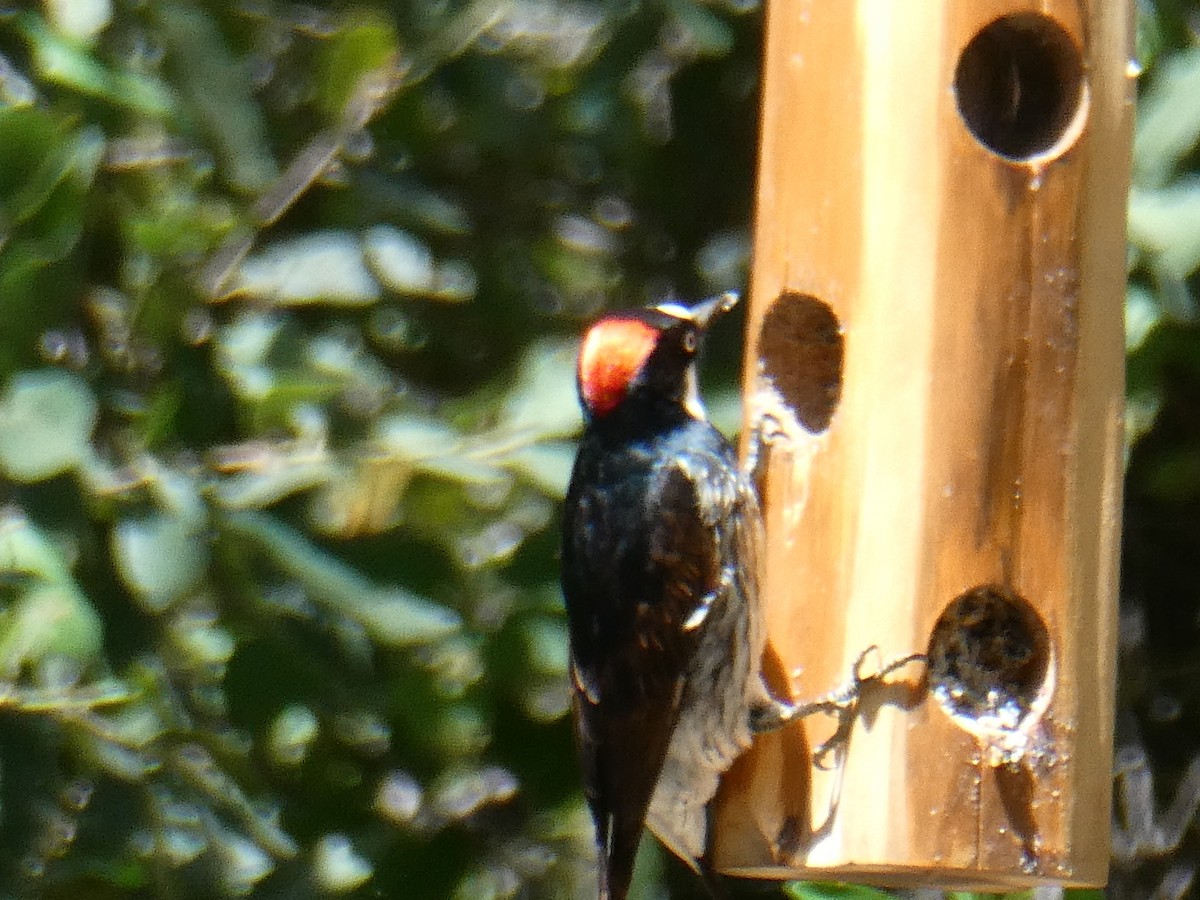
<point>637,593</point>
<point>713,729</point>
<point>628,690</point>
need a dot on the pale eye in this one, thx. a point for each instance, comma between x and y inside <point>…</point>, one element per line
<point>689,342</point>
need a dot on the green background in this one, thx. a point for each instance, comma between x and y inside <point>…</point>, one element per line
<point>288,297</point>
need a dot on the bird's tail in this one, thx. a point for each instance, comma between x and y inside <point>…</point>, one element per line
<point>618,851</point>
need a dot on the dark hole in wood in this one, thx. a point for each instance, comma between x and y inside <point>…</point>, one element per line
<point>802,349</point>
<point>988,656</point>
<point>1019,84</point>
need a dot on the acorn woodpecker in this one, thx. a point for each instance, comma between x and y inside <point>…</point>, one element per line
<point>660,578</point>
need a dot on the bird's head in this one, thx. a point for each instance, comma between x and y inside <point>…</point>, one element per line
<point>646,356</point>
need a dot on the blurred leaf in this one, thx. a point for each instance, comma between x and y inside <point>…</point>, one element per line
<point>545,465</point>
<point>543,401</point>
<point>1168,123</point>
<point>1166,223</point>
<point>337,868</point>
<point>547,647</point>
<point>391,615</point>
<point>292,735</point>
<point>279,478</point>
<point>159,557</point>
<point>434,447</point>
<point>1142,314</point>
<point>1149,39</point>
<point>427,208</point>
<point>46,421</point>
<point>179,223</point>
<point>80,20</point>
<point>38,152</point>
<point>808,890</point>
<point>362,44</point>
<point>707,33</point>
<point>64,62</point>
<point>46,624</point>
<point>403,263</point>
<point>24,550</point>
<point>218,93</point>
<point>324,267</point>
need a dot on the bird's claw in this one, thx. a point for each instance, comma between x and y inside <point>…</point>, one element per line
<point>842,703</point>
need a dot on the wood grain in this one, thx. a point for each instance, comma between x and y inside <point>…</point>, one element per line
<point>972,435</point>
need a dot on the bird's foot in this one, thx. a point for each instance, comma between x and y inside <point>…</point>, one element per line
<point>842,703</point>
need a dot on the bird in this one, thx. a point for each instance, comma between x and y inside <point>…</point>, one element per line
<point>660,583</point>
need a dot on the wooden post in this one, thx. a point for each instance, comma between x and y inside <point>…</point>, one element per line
<point>934,397</point>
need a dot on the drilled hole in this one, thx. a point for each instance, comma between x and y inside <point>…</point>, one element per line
<point>989,655</point>
<point>801,349</point>
<point>1019,86</point>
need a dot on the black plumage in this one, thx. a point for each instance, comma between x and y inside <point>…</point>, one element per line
<point>660,580</point>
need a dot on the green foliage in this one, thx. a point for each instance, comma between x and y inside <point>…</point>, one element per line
<point>1163,223</point>
<point>820,890</point>
<point>286,403</point>
<point>814,890</point>
<point>1155,846</point>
